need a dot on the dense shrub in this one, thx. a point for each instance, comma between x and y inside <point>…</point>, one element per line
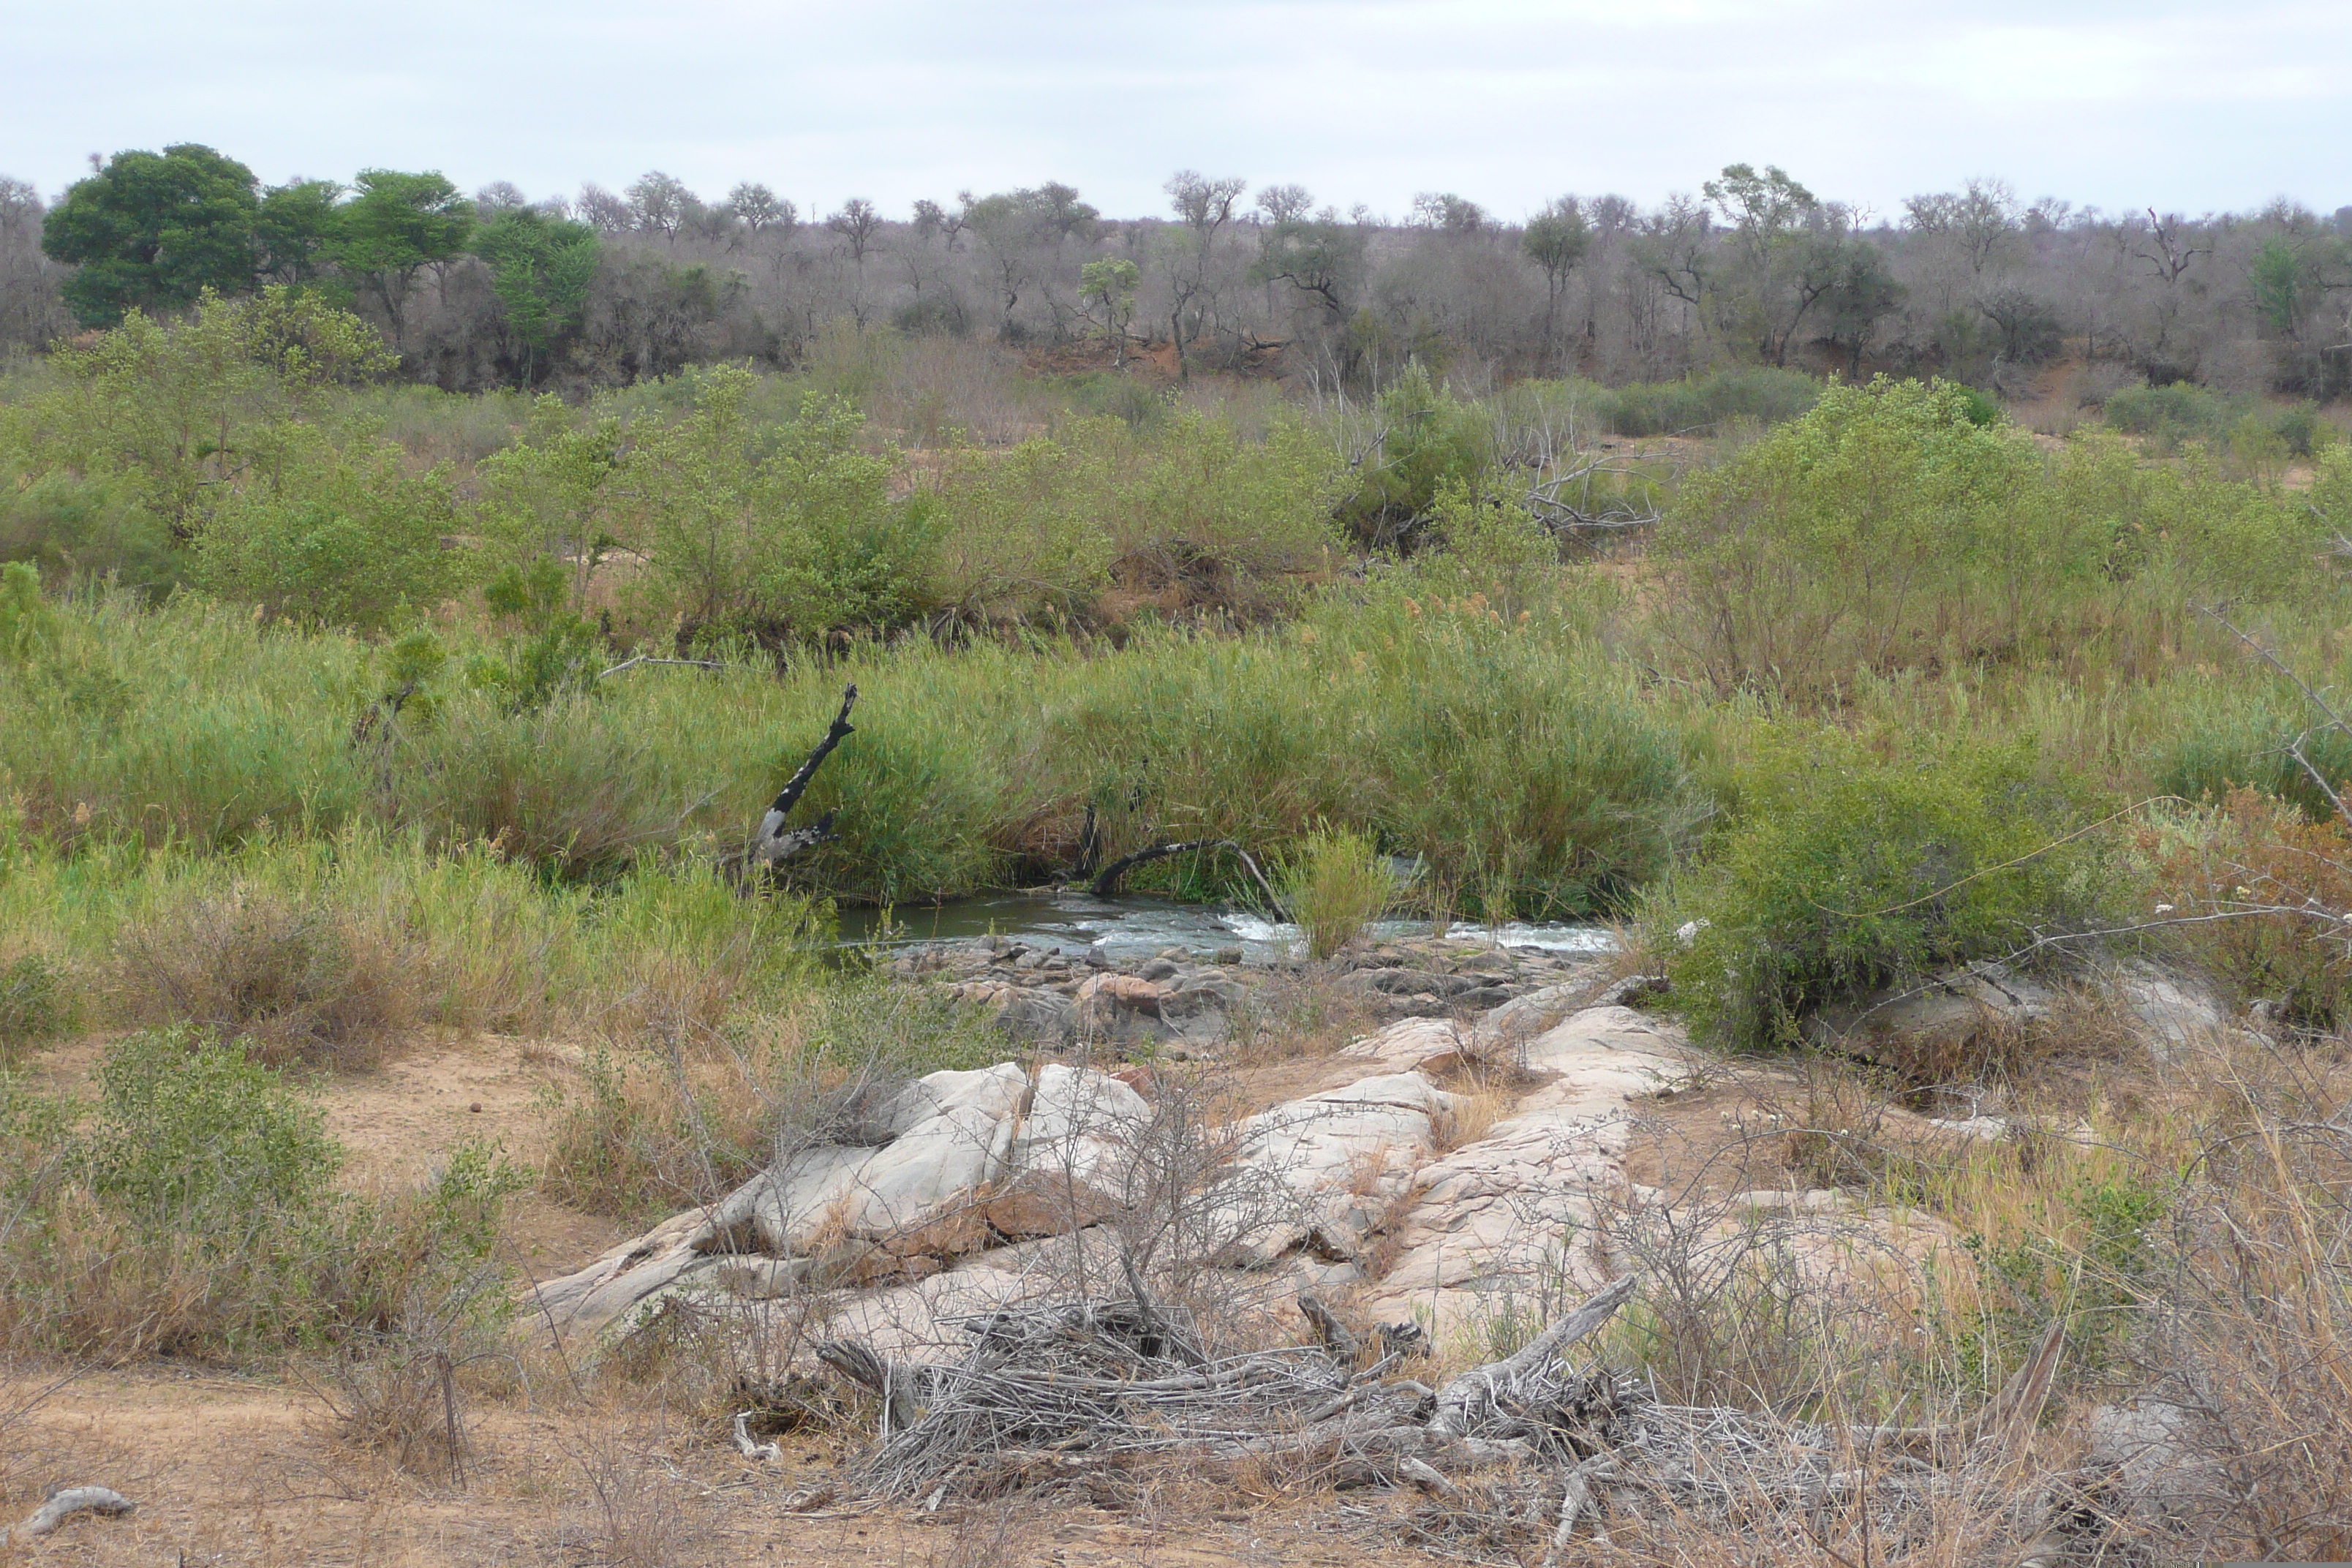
<point>1846,872</point>
<point>778,533</point>
<point>192,1211</point>
<point>294,981</point>
<point>335,537</point>
<point>2171,416</point>
<point>37,1002</point>
<point>1704,405</point>
<point>1889,530</point>
<point>1186,512</point>
<point>72,527</point>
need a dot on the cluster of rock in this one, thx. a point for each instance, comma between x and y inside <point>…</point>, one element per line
<point>1470,1166</point>
<point>1039,992</point>
<point>974,1177</point>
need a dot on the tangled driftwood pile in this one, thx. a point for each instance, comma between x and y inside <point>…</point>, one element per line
<point>1520,1448</point>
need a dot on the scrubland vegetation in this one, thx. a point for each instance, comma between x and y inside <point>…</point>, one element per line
<point>336,712</point>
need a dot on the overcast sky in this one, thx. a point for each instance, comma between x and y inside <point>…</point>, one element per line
<point>2184,104</point>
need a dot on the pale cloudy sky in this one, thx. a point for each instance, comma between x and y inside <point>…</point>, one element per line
<point>2187,104</point>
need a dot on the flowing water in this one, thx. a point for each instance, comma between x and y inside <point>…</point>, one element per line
<point>1134,926</point>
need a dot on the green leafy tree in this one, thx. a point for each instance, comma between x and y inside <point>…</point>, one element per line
<point>1556,240</point>
<point>153,231</point>
<point>395,226</point>
<point>294,227</point>
<point>540,268</point>
<point>1108,286</point>
<point>2280,274</point>
<point>1318,255</point>
<point>1861,292</point>
<point>335,536</point>
<point>186,412</point>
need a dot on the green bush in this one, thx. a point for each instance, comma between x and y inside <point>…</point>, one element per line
<point>1337,884</point>
<point>37,1002</point>
<point>337,537</point>
<point>194,1211</point>
<point>775,533</point>
<point>1846,872</point>
<point>1889,530</point>
<point>1424,440</point>
<point>76,527</point>
<point>1703,404</point>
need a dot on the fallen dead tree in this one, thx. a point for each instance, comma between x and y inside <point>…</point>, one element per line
<point>772,842</point>
<point>1522,1447</point>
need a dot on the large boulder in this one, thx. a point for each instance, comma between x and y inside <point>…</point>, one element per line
<point>1069,1164</point>
<point>1322,1172</point>
<point>1512,1213</point>
<point>1938,1018</point>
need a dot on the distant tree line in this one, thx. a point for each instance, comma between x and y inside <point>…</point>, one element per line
<point>607,288</point>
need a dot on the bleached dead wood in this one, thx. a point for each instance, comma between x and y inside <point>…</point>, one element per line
<point>64,1505</point>
<point>772,842</point>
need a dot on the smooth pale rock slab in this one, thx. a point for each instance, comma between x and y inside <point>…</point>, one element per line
<point>1410,1044</point>
<point>1069,1165</point>
<point>1327,1167</point>
<point>1511,1213</point>
<point>1941,1012</point>
<point>994,1092</point>
<point>2173,1012</point>
<point>587,1301</point>
<point>1520,1020</point>
<point>784,1210</point>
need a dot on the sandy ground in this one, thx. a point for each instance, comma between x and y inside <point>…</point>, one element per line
<point>252,1470</point>
<point>232,1471</point>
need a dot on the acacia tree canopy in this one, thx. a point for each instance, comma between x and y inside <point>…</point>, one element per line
<point>154,231</point>
<point>395,226</point>
<point>540,268</point>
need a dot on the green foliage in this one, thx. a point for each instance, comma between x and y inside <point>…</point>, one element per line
<point>1889,529</point>
<point>2245,742</point>
<point>1337,883</point>
<point>395,226</point>
<point>37,1002</point>
<point>775,535</point>
<point>335,536</point>
<point>1704,405</point>
<point>294,227</point>
<point>194,1211</point>
<point>2172,415</point>
<point>155,232</point>
<point>540,268</point>
<point>551,652</point>
<point>86,529</point>
<point>184,414</point>
<point>1109,284</point>
<point>1844,872</point>
<point>28,628</point>
<point>1426,439</point>
<point>2098,1278</point>
<point>192,1135</point>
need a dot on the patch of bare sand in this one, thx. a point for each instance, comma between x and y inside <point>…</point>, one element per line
<point>227,1470</point>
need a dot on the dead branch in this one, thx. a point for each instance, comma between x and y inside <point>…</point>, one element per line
<point>771,843</point>
<point>64,1505</point>
<point>1107,881</point>
<point>628,664</point>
